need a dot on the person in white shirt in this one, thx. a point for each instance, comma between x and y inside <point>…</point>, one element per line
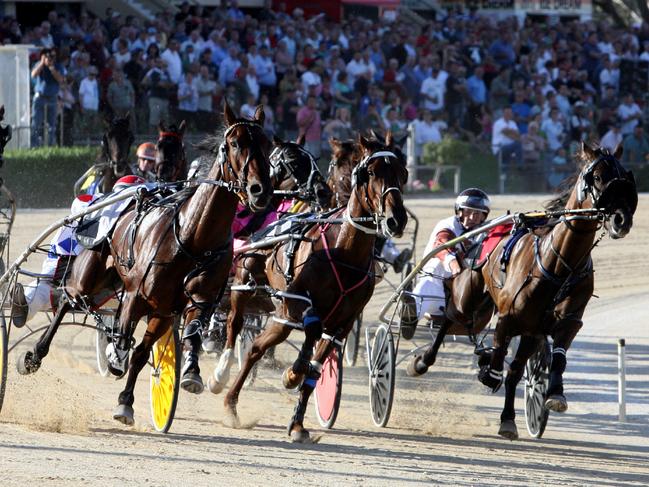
<point>427,131</point>
<point>174,63</point>
<point>609,75</point>
<point>554,130</point>
<point>89,102</point>
<point>612,138</point>
<point>188,94</point>
<point>195,40</point>
<point>356,67</point>
<point>505,138</point>
<point>433,89</point>
<point>228,68</point>
<point>629,113</point>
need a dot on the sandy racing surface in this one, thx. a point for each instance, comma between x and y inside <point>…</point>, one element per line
<point>56,426</point>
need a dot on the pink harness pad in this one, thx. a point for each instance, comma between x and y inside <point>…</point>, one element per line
<point>495,235</point>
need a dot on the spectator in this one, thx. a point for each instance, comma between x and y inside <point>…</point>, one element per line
<point>229,67</point>
<point>174,64</point>
<point>522,111</point>
<point>433,89</point>
<point>206,88</point>
<point>612,138</point>
<point>309,124</point>
<point>48,75</point>
<point>89,103</point>
<point>554,130</point>
<point>629,114</point>
<point>342,92</point>
<point>159,85</point>
<point>427,131</point>
<point>121,96</point>
<point>265,69</point>
<point>533,144</point>
<point>559,168</point>
<point>372,119</point>
<point>67,101</point>
<point>247,110</point>
<point>506,139</point>
<point>269,115</point>
<point>455,93</point>
<point>340,127</point>
<point>188,99</point>
<point>395,123</point>
<point>288,122</point>
<point>580,122</point>
<point>636,146</point>
<point>499,92</point>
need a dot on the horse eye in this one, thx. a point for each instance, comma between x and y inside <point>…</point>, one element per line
<point>234,145</point>
<point>597,178</point>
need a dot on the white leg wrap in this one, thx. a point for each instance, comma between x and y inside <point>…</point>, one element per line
<point>222,370</point>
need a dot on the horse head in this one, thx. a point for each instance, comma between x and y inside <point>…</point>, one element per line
<point>345,154</point>
<point>294,168</point>
<point>116,145</point>
<point>5,135</point>
<point>609,187</point>
<point>243,156</point>
<point>170,161</point>
<point>379,180</point>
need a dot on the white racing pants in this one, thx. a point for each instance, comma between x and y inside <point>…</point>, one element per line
<point>429,296</point>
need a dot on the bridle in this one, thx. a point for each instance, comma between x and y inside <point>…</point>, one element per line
<point>360,178</point>
<point>586,184</point>
<point>279,162</point>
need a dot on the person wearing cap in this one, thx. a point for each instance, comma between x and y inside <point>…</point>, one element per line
<point>48,76</point>
<point>89,102</point>
<point>472,206</point>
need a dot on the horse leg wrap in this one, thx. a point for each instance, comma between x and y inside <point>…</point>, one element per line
<point>305,392</point>
<point>490,378</point>
<point>557,369</point>
<point>312,332</point>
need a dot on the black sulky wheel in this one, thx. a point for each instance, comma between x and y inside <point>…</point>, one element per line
<point>537,371</point>
<point>382,365</point>
<point>352,344</point>
<point>329,388</point>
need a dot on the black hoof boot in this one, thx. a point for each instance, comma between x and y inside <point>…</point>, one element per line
<point>28,363</point>
<point>493,379</point>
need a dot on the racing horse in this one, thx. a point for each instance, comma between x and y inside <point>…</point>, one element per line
<point>171,162</point>
<point>294,172</point>
<point>544,287</point>
<point>172,259</point>
<point>112,160</point>
<point>329,275</point>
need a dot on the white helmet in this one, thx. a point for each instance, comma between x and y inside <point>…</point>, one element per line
<point>473,199</point>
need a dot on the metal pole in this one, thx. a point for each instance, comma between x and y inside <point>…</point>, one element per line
<point>621,384</point>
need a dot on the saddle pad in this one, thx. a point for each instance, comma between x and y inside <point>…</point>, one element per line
<point>95,227</point>
<point>494,236</point>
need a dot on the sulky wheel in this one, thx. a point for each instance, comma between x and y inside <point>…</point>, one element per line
<point>352,344</point>
<point>165,379</point>
<point>382,366</point>
<point>537,370</point>
<point>3,358</point>
<point>101,342</point>
<point>329,388</point>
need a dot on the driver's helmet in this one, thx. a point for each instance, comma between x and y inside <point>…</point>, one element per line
<point>473,199</point>
<point>146,151</point>
<point>126,181</point>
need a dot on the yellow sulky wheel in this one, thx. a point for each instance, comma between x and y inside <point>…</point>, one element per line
<point>3,360</point>
<point>165,379</point>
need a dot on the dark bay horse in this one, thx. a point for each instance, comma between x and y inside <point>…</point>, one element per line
<point>548,282</point>
<point>331,275</point>
<point>345,154</point>
<point>294,172</point>
<point>173,259</point>
<point>171,161</point>
<point>115,150</point>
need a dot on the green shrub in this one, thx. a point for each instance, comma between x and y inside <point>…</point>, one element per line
<point>44,177</point>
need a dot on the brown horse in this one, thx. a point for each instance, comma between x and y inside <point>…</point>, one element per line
<point>171,162</point>
<point>172,259</point>
<point>115,149</point>
<point>330,275</point>
<point>547,284</point>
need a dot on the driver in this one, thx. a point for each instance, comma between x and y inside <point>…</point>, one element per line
<point>472,207</point>
<point>146,155</point>
<point>39,294</point>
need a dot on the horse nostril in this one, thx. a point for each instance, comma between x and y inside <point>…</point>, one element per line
<point>256,189</point>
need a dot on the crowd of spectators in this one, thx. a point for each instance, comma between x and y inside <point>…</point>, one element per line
<point>529,93</point>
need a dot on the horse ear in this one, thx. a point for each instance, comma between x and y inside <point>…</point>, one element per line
<point>365,143</point>
<point>588,150</point>
<point>260,115</point>
<point>161,127</point>
<point>277,141</point>
<point>401,141</point>
<point>301,139</point>
<point>374,134</point>
<point>618,152</point>
<point>2,112</point>
<point>228,115</point>
<point>389,141</point>
<point>181,128</point>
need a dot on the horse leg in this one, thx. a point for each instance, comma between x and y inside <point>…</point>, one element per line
<point>420,363</point>
<point>191,380</point>
<point>156,328</point>
<point>30,361</point>
<point>525,350</point>
<point>296,429</point>
<point>218,380</point>
<point>294,374</point>
<point>491,374</point>
<point>272,335</point>
<point>562,339</point>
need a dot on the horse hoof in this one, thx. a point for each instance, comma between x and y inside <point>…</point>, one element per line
<point>192,382</point>
<point>214,386</point>
<point>124,414</point>
<point>290,380</point>
<point>416,367</point>
<point>231,418</point>
<point>300,436</point>
<point>556,403</point>
<point>27,364</point>
<point>508,430</point>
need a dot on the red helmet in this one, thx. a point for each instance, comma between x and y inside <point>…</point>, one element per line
<point>126,181</point>
<point>146,151</point>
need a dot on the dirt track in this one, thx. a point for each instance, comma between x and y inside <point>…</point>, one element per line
<point>56,426</point>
